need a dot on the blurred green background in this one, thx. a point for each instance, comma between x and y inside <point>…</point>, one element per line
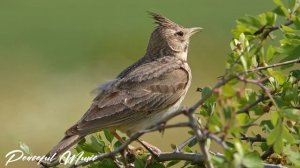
<point>54,53</point>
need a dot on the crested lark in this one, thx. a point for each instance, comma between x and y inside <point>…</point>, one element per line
<point>143,93</point>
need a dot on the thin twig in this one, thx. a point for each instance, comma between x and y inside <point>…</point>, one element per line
<point>193,157</point>
<point>257,138</point>
<point>217,139</point>
<point>221,82</point>
<point>269,30</point>
<point>294,61</point>
<point>247,107</point>
<point>185,143</point>
<point>259,83</point>
<point>201,140</point>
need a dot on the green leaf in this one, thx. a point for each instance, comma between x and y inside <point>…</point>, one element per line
<point>294,5</point>
<point>94,146</point>
<point>262,19</point>
<point>271,18</point>
<point>287,29</point>
<point>258,110</point>
<point>293,38</point>
<point>206,91</point>
<point>289,51</point>
<point>25,148</point>
<point>228,90</point>
<point>214,123</point>
<point>172,163</point>
<point>296,21</point>
<point>248,26</point>
<point>156,165</point>
<point>266,124</point>
<point>239,148</point>
<point>252,160</point>
<point>274,135</point>
<point>264,146</point>
<point>138,163</point>
<point>117,144</point>
<point>295,73</point>
<point>278,145</point>
<point>294,157</point>
<point>278,75</point>
<point>281,9</point>
<point>270,53</point>
<point>107,163</point>
<point>292,114</point>
<point>268,18</point>
<point>290,95</point>
<point>291,3</point>
<point>193,142</point>
<point>277,137</point>
<point>227,113</point>
<point>243,118</point>
<point>278,2</point>
<point>108,135</point>
<point>187,149</point>
<point>173,146</point>
<point>244,63</point>
<point>287,136</point>
<point>274,117</point>
<point>107,149</point>
<point>250,21</point>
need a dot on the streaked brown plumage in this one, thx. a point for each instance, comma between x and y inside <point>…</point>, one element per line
<point>144,92</point>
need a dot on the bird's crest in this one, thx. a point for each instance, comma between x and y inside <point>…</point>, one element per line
<point>163,21</point>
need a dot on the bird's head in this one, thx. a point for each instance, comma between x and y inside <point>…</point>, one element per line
<point>169,38</point>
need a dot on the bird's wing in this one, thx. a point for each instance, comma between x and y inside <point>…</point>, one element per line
<point>149,88</point>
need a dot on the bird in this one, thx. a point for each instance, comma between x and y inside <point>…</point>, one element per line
<point>142,94</point>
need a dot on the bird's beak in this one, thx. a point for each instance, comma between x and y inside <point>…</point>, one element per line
<point>194,30</point>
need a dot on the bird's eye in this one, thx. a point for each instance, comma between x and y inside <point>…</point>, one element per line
<point>179,33</point>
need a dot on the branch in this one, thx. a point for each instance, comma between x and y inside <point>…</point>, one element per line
<point>266,165</point>
<point>269,30</point>
<point>217,139</point>
<point>221,82</point>
<point>132,138</point>
<point>294,61</point>
<point>193,157</point>
<point>185,143</point>
<point>247,107</point>
<point>259,83</point>
<point>257,138</point>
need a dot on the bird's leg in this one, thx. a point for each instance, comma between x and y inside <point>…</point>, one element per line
<point>132,150</point>
<point>126,157</point>
<point>119,138</point>
<point>155,151</point>
<point>116,135</point>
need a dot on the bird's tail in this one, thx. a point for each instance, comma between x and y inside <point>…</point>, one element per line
<point>66,143</point>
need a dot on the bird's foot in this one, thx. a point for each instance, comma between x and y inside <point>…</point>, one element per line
<point>162,128</point>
